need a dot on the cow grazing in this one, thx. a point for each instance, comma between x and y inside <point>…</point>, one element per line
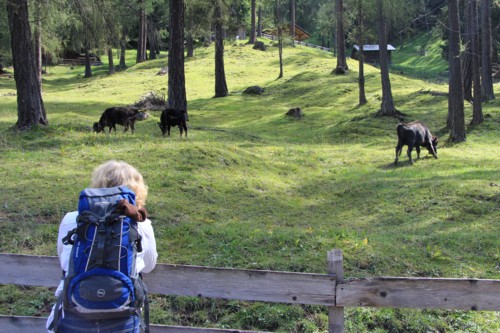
<point>172,117</point>
<point>121,115</point>
<point>415,134</point>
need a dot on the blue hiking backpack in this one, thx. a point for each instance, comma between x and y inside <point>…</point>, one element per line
<point>102,281</point>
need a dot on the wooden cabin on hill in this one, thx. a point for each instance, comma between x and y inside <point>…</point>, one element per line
<point>300,34</point>
<point>371,52</point>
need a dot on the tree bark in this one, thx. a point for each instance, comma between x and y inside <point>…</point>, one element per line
<point>467,54</point>
<point>387,107</point>
<point>486,51</point>
<point>189,46</point>
<point>361,77</point>
<point>341,52</point>
<point>456,120</point>
<point>220,74</point>
<point>141,37</point>
<point>123,46</point>
<point>88,66</point>
<point>477,110</point>
<point>30,107</point>
<point>292,20</point>
<point>259,23</point>
<point>153,41</point>
<point>176,77</point>
<point>280,37</point>
<point>38,43</point>
<point>111,66</point>
<point>251,39</point>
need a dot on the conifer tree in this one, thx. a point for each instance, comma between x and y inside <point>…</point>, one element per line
<point>176,76</point>
<point>30,107</point>
<point>456,121</point>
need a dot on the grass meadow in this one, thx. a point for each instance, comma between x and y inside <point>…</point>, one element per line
<point>251,188</point>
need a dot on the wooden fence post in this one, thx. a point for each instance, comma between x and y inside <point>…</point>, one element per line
<point>336,313</point>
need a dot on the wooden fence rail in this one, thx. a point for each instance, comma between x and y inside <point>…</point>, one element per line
<point>268,286</point>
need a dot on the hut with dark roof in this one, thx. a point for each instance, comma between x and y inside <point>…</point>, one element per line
<point>371,52</point>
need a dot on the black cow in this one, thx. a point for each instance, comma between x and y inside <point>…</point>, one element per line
<point>172,117</point>
<point>121,115</point>
<point>415,134</point>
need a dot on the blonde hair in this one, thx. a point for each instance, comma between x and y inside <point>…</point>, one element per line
<point>118,173</point>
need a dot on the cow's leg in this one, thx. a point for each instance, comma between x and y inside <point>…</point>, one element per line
<point>410,148</point>
<point>399,147</point>
<point>185,129</point>
<point>168,129</point>
<point>180,129</point>
<point>132,127</point>
<point>417,148</point>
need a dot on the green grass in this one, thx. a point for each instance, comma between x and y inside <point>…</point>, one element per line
<point>253,189</point>
<point>421,57</point>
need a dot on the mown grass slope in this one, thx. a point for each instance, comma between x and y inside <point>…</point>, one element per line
<point>251,188</point>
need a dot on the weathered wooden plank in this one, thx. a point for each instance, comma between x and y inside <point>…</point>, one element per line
<point>30,270</point>
<point>335,265</point>
<point>250,285</point>
<point>24,324</point>
<point>422,293</point>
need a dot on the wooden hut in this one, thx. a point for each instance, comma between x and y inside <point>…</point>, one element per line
<point>371,52</point>
<point>300,34</point>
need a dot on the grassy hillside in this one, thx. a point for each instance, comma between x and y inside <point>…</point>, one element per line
<point>421,57</point>
<point>250,188</point>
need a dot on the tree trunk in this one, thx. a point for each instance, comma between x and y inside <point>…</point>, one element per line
<point>30,107</point>
<point>176,77</point>
<point>189,46</point>
<point>341,52</point>
<point>141,49</point>
<point>153,41</point>
<point>123,46</point>
<point>387,107</point>
<point>467,54</point>
<point>145,37</point>
<point>220,74</point>
<point>111,66</point>
<point>259,24</point>
<point>280,37</point>
<point>88,65</point>
<point>38,43</point>
<point>292,20</point>
<point>456,120</point>
<point>486,50</point>
<point>362,95</point>
<point>477,110</point>
<point>251,39</point>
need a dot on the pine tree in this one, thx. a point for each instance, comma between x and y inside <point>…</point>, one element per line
<point>220,74</point>
<point>456,120</point>
<point>340,40</point>
<point>30,107</point>
<point>176,77</point>
<point>486,52</point>
<point>251,39</point>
